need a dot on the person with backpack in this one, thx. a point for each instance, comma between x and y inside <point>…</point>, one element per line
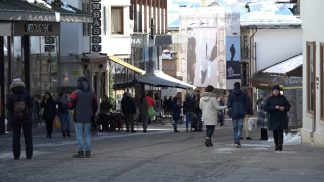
<point>49,112</point>
<point>63,114</point>
<point>84,103</point>
<point>19,104</point>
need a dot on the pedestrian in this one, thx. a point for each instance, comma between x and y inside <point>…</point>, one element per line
<point>198,111</point>
<point>277,107</point>
<point>63,113</point>
<point>176,111</point>
<point>84,103</point>
<point>129,110</point>
<point>188,108</point>
<point>19,105</point>
<point>209,106</point>
<point>165,104</point>
<point>49,106</point>
<point>143,109</point>
<point>151,103</point>
<point>262,121</point>
<point>238,103</point>
<point>248,114</point>
<point>103,120</point>
<point>220,113</point>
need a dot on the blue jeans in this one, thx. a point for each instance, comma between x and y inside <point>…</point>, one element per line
<point>65,121</point>
<point>189,118</point>
<point>237,127</point>
<point>83,129</point>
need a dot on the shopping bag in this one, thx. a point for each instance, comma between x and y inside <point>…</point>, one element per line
<point>151,112</point>
<point>250,124</point>
<point>57,122</point>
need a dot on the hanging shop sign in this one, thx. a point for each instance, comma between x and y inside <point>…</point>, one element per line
<point>96,26</point>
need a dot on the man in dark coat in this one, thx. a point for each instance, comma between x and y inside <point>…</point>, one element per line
<point>85,105</point>
<point>128,109</point>
<point>238,103</point>
<point>277,107</point>
<point>19,104</point>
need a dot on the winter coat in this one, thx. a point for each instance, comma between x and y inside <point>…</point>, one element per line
<point>278,120</point>
<point>19,93</point>
<point>209,106</point>
<point>127,105</point>
<point>238,103</point>
<point>188,105</point>
<point>176,110</point>
<point>49,108</point>
<point>62,105</point>
<point>262,121</point>
<point>84,102</point>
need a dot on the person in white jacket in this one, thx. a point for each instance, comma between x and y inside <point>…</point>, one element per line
<point>209,106</point>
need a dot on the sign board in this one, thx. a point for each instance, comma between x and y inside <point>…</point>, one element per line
<point>96,26</point>
<point>36,28</point>
<point>49,40</point>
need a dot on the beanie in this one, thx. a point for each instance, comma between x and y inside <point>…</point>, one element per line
<point>237,85</point>
<point>276,87</point>
<point>17,82</point>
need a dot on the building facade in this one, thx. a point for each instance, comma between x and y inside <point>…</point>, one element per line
<point>313,72</point>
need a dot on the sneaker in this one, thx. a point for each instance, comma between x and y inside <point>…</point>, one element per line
<point>87,154</point>
<point>80,154</point>
<point>237,145</point>
<point>248,138</point>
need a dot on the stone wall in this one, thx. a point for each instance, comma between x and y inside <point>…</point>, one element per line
<point>295,98</point>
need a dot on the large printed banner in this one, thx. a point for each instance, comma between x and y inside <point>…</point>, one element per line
<point>233,46</point>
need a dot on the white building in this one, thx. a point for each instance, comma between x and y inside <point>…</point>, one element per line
<point>313,78</point>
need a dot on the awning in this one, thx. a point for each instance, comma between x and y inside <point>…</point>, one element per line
<point>160,79</point>
<point>15,10</point>
<point>127,65</point>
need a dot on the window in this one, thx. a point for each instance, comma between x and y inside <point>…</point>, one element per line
<point>311,67</point>
<point>322,78</point>
<point>245,47</point>
<point>117,20</point>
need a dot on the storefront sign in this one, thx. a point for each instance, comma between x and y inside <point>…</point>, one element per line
<point>139,40</point>
<point>36,29</point>
<point>96,26</point>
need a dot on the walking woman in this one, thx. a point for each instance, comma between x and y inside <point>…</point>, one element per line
<point>277,107</point>
<point>49,112</point>
<point>209,106</point>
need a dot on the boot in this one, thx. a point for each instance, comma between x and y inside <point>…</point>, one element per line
<point>63,134</point>
<point>87,154</point>
<point>144,129</point>
<point>176,130</point>
<point>80,154</point>
<point>68,133</point>
<point>208,142</point>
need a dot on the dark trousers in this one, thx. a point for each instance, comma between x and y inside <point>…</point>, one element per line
<point>49,127</point>
<point>210,130</point>
<point>278,137</point>
<point>129,119</point>
<point>264,134</point>
<point>16,131</point>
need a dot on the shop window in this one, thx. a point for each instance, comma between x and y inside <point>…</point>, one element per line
<point>311,67</point>
<point>322,78</point>
<point>117,20</point>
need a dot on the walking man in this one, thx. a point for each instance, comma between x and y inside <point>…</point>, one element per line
<point>238,103</point>
<point>84,103</point>
<point>19,104</point>
<point>128,109</point>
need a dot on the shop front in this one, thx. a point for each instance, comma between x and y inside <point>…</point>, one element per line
<point>30,46</point>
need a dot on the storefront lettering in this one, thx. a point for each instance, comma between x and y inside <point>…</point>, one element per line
<point>96,26</point>
<point>39,28</point>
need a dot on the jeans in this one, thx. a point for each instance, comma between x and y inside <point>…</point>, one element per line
<point>189,117</point>
<point>83,130</point>
<point>175,125</point>
<point>65,121</point>
<point>16,131</point>
<point>210,130</point>
<point>237,127</point>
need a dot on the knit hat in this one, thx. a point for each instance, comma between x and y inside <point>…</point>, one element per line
<point>237,85</point>
<point>17,83</point>
<point>276,87</point>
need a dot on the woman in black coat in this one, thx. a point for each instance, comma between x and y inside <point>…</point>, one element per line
<point>277,107</point>
<point>49,112</point>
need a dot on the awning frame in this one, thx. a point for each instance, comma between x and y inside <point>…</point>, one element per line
<point>127,65</point>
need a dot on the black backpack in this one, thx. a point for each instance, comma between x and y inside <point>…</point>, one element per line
<point>20,109</point>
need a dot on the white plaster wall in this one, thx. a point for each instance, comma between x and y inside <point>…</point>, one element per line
<point>313,25</point>
<point>276,45</point>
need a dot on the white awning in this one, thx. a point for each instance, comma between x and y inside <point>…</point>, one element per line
<point>160,79</point>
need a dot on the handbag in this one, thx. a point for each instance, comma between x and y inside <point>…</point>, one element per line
<point>151,112</point>
<point>57,122</point>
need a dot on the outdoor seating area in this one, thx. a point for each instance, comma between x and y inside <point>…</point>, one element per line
<point>112,121</point>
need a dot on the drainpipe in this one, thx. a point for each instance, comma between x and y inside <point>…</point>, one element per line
<point>250,72</point>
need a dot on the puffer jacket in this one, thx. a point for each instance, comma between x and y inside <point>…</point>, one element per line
<point>209,106</point>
